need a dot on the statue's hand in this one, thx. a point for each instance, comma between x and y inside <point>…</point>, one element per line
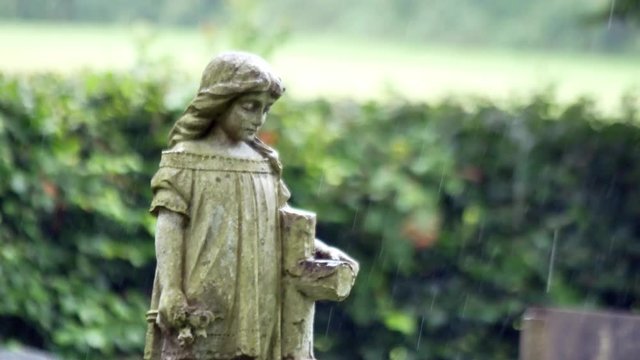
<point>324,251</point>
<point>172,309</point>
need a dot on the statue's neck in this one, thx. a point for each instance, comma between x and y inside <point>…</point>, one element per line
<point>219,138</point>
<point>217,142</point>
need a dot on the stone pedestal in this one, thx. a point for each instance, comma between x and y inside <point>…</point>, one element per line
<point>552,334</point>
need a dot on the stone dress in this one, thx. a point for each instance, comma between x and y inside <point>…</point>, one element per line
<point>232,252</point>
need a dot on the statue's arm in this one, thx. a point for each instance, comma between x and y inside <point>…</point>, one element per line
<point>169,248</point>
<point>169,252</point>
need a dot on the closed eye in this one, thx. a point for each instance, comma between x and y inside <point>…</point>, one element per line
<point>250,105</point>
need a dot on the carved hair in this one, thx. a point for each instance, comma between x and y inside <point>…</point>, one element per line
<point>226,78</point>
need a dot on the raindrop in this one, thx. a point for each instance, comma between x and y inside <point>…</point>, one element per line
<point>420,333</point>
<point>320,185</point>
<point>481,232</point>
<point>373,264</point>
<point>355,218</point>
<point>381,251</point>
<point>464,306</point>
<point>610,187</point>
<point>395,279</point>
<point>433,300</point>
<point>326,332</point>
<point>441,181</point>
<point>422,146</point>
<point>552,259</point>
<point>613,5</point>
<point>611,241</point>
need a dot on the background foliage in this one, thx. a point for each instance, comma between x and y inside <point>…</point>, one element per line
<point>545,24</point>
<point>454,213</point>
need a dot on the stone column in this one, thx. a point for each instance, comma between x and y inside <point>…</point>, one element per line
<point>308,278</point>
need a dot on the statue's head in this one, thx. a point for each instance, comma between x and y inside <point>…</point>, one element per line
<point>237,73</point>
<point>236,91</point>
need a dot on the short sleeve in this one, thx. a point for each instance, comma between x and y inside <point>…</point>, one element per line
<point>283,194</point>
<point>171,189</point>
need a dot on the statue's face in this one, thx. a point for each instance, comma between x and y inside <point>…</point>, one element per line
<point>246,115</point>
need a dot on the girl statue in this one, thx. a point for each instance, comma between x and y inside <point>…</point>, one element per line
<point>218,197</point>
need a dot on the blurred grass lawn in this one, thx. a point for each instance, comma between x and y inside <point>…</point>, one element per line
<point>335,66</point>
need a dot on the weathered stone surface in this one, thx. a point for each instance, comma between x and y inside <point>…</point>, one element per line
<point>312,271</point>
<point>238,270</point>
<point>298,236</point>
<point>553,334</point>
<point>25,354</point>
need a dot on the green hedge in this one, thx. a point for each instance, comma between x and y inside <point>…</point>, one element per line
<point>453,213</point>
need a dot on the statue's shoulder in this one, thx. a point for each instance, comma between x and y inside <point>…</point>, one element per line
<point>204,149</point>
<point>189,146</point>
<point>202,156</point>
<point>193,148</point>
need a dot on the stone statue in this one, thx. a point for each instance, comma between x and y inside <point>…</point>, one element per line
<point>238,270</point>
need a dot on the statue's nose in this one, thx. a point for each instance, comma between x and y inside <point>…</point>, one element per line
<point>258,120</point>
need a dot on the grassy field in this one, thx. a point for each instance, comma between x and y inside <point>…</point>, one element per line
<point>334,66</point>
